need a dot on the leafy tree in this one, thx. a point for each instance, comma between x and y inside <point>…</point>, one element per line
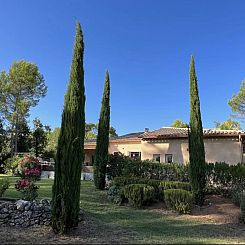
<point>178,123</point>
<point>52,141</point>
<point>20,89</point>
<point>101,152</point>
<point>91,131</point>
<point>196,145</point>
<point>237,102</point>
<point>228,125</point>
<point>70,150</point>
<point>39,136</point>
<point>23,137</point>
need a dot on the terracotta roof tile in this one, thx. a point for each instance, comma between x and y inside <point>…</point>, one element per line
<point>170,132</point>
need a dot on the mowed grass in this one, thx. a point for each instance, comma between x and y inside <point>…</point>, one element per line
<point>148,226</point>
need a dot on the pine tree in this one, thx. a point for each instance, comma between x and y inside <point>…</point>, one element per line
<point>101,154</point>
<point>196,145</point>
<point>70,149</point>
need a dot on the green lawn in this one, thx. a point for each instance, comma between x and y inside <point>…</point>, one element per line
<point>149,226</point>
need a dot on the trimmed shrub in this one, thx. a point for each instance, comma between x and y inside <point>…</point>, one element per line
<point>4,185</point>
<point>179,200</point>
<point>114,194</point>
<point>138,194</point>
<point>121,165</point>
<point>122,181</point>
<point>164,185</point>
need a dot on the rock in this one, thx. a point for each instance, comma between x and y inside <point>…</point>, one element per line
<point>20,204</point>
<point>4,210</point>
<point>27,207</point>
<point>3,216</point>
<point>47,223</point>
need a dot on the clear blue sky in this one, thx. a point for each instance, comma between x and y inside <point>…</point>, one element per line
<point>146,45</point>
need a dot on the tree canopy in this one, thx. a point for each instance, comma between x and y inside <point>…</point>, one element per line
<point>228,125</point>
<point>178,123</point>
<point>20,89</point>
<point>237,102</point>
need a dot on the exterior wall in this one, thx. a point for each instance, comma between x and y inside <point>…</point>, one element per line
<point>88,156</point>
<point>221,149</point>
<point>216,150</point>
<point>177,147</point>
<point>125,148</point>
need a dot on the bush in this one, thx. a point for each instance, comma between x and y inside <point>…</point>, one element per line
<point>164,185</point>
<point>179,200</point>
<point>121,165</point>
<point>122,181</point>
<point>11,164</point>
<point>225,179</point>
<point>4,185</point>
<point>29,169</point>
<point>114,194</point>
<point>242,206</point>
<point>138,194</point>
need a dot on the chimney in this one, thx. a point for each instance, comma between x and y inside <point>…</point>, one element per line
<point>146,130</point>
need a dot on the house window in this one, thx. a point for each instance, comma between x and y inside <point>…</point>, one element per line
<point>157,157</point>
<point>116,153</point>
<point>135,155</point>
<point>168,158</point>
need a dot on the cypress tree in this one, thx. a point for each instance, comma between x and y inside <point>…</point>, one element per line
<point>101,154</point>
<point>70,149</point>
<point>196,145</point>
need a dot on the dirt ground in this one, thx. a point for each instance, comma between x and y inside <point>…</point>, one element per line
<point>217,209</point>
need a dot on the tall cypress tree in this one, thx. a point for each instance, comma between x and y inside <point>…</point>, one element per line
<point>196,145</point>
<point>101,154</point>
<point>70,149</point>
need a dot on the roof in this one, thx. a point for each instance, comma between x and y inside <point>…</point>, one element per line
<point>171,132</point>
<point>130,136</point>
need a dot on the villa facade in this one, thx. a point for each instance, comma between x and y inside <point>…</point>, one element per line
<point>167,145</point>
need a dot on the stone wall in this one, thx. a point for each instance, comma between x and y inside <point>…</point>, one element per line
<point>24,213</point>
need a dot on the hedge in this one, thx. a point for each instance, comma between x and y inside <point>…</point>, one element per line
<point>179,200</point>
<point>138,194</point>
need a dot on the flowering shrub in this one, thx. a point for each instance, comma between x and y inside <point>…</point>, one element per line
<point>29,169</point>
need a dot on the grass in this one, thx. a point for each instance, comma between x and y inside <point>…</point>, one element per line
<point>148,226</point>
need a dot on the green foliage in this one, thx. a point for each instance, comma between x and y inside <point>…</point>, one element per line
<point>23,137</point>
<point>237,102</point>
<point>91,131</point>
<point>4,185</point>
<point>29,170</point>
<point>138,194</point>
<point>114,194</point>
<point>21,88</point>
<point>196,145</point>
<point>165,185</point>
<point>179,200</point>
<point>70,149</point>
<point>242,207</point>
<point>39,137</point>
<point>228,125</point>
<point>121,165</point>
<point>11,164</point>
<point>52,142</point>
<point>101,152</point>
<point>178,123</point>
<point>225,179</point>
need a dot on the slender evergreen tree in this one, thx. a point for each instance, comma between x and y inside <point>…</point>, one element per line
<point>70,149</point>
<point>196,145</point>
<point>101,154</point>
